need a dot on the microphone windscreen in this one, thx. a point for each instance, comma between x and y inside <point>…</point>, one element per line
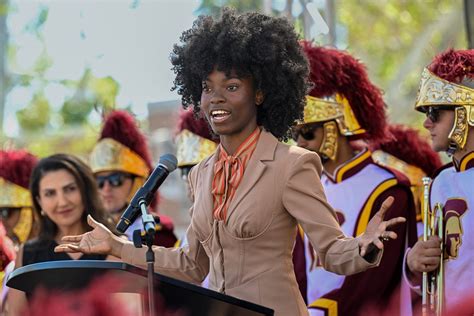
<point>169,161</point>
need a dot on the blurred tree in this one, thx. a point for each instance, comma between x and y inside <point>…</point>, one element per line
<point>36,116</point>
<point>105,90</point>
<point>3,58</point>
<point>396,39</point>
<point>46,128</point>
<point>91,92</point>
<point>213,7</point>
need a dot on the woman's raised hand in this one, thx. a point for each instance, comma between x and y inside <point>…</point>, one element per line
<point>100,240</point>
<point>376,230</point>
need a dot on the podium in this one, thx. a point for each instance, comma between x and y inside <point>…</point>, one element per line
<point>177,295</point>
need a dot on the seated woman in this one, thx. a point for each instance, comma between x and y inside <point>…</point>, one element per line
<point>64,192</point>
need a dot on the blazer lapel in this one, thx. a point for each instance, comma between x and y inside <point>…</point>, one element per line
<point>264,151</point>
<point>207,175</point>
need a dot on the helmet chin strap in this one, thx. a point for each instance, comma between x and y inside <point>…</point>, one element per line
<point>458,134</point>
<point>328,148</point>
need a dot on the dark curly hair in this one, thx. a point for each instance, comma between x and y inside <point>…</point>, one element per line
<point>253,45</point>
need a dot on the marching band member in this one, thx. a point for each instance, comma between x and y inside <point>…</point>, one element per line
<point>407,152</point>
<point>16,208</point>
<point>121,163</point>
<point>446,96</point>
<point>344,106</point>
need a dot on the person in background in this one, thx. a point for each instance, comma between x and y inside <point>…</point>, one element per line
<point>446,96</point>
<point>344,106</point>
<point>407,152</point>
<point>248,75</point>
<point>18,222</point>
<point>121,163</point>
<point>194,142</point>
<point>16,210</point>
<point>63,192</point>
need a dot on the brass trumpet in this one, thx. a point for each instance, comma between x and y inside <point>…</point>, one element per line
<point>433,282</point>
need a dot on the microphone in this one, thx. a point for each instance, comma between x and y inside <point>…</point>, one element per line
<point>167,164</point>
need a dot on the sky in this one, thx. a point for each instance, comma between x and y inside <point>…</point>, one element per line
<point>127,39</point>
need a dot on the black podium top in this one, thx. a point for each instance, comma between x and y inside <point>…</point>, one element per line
<point>75,274</point>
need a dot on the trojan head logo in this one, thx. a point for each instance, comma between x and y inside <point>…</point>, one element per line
<point>453,211</point>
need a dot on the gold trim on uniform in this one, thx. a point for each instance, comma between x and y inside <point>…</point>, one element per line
<point>14,195</point>
<point>413,173</point>
<point>110,155</point>
<point>192,148</point>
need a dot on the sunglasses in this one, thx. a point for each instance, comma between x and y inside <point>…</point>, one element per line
<point>114,179</point>
<point>433,112</point>
<point>306,131</point>
<point>6,212</point>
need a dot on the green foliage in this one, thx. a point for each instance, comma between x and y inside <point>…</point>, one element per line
<point>105,91</point>
<point>385,31</point>
<point>75,110</point>
<point>76,140</point>
<point>35,25</point>
<point>91,92</point>
<point>4,7</point>
<point>42,64</point>
<point>396,39</point>
<point>35,117</point>
<point>214,7</point>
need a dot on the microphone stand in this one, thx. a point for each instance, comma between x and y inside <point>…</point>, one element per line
<point>149,226</point>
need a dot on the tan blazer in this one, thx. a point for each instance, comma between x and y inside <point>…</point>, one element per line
<point>250,255</point>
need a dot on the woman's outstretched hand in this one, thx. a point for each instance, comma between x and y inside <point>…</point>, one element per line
<point>100,240</point>
<point>376,230</point>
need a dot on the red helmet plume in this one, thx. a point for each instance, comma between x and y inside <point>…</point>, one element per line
<point>121,126</point>
<point>337,72</point>
<point>454,65</point>
<point>198,126</point>
<point>408,146</point>
<point>16,166</point>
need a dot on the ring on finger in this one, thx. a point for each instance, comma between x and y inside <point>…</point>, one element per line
<point>384,237</point>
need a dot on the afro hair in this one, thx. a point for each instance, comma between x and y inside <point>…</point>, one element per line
<point>251,45</point>
<point>335,71</point>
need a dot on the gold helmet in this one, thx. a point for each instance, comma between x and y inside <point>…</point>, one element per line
<point>194,140</point>
<point>122,147</point>
<point>442,85</point>
<point>342,99</point>
<point>15,171</point>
